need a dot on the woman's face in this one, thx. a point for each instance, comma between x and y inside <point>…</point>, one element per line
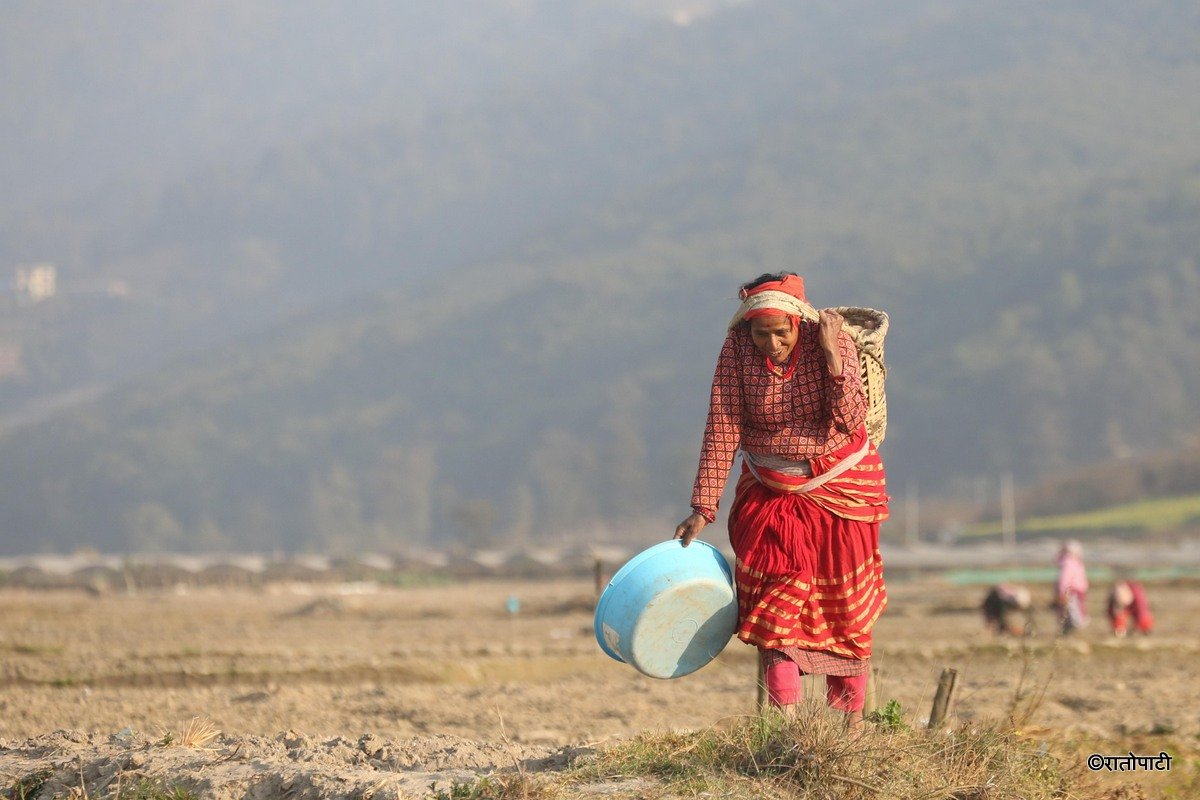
<point>775,337</point>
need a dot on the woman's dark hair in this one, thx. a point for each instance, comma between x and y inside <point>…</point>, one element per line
<point>766,277</point>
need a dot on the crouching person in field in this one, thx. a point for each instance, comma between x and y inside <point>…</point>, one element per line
<point>1127,603</point>
<point>1007,609</point>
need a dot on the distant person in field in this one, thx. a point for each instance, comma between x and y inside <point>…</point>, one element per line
<point>1127,603</point>
<point>1071,587</point>
<point>787,395</point>
<point>1006,609</point>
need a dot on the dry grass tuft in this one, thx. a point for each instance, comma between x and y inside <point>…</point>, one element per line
<point>810,755</point>
<point>198,734</point>
<point>1029,694</point>
<point>502,786</point>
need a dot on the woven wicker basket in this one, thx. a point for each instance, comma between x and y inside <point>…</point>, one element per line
<point>869,327</point>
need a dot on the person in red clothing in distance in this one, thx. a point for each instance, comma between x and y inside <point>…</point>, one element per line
<point>788,397</point>
<point>1127,602</point>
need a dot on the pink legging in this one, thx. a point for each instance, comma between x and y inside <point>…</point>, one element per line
<point>784,687</point>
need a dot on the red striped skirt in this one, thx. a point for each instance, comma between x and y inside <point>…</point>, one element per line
<point>809,582</point>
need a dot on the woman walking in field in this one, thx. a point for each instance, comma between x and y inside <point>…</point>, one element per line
<point>804,524</point>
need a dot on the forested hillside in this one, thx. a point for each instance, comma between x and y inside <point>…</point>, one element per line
<point>206,168</point>
<point>531,288</point>
<point>125,91</point>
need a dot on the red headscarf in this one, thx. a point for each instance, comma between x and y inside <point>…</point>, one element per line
<point>790,284</point>
<point>775,298</point>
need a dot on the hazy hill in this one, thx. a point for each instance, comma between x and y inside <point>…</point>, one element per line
<point>1017,187</point>
<point>177,157</point>
<point>101,94</point>
<point>410,138</point>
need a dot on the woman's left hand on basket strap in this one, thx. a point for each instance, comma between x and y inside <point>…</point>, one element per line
<point>830,326</point>
<point>690,528</point>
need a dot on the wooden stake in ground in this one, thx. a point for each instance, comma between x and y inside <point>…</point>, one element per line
<point>941,700</point>
<point>871,701</point>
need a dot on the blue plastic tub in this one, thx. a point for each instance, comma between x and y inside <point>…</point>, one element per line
<point>669,611</point>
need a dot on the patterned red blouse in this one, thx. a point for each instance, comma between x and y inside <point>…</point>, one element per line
<point>799,411</point>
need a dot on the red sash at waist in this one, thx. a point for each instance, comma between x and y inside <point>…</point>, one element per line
<point>849,482</point>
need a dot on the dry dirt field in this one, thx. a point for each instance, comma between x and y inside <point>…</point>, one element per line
<point>360,690</point>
